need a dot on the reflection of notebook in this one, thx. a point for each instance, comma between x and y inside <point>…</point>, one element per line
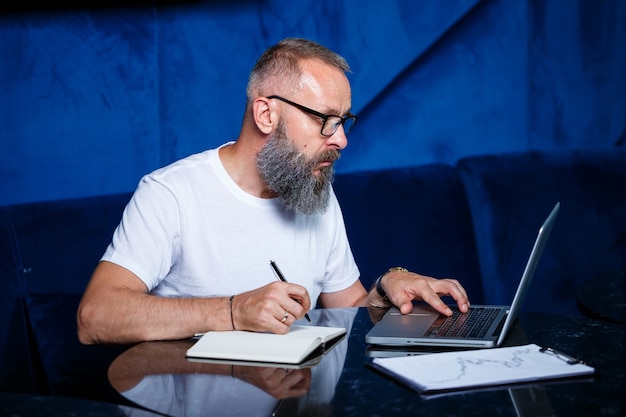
<point>483,326</point>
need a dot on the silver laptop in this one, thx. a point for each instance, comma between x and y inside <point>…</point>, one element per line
<point>482,327</point>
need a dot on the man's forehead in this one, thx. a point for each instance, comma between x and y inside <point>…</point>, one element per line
<point>326,86</point>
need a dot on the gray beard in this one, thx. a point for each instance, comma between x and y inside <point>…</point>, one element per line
<point>287,172</point>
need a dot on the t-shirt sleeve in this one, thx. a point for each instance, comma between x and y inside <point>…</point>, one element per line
<point>146,239</point>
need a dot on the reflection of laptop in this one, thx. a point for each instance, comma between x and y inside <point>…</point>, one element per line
<point>482,326</point>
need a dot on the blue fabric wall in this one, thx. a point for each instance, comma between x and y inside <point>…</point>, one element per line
<point>93,98</point>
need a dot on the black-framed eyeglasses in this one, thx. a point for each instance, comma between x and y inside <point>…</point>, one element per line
<point>330,122</point>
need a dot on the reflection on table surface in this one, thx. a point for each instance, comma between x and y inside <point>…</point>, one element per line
<point>156,375</point>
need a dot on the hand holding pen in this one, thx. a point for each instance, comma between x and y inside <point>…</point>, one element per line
<point>283,279</point>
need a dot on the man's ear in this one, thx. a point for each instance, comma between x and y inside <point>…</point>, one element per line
<point>264,116</point>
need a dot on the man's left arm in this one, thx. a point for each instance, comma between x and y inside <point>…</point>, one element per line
<point>400,287</point>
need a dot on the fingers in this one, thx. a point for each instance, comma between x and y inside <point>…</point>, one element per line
<point>433,299</point>
<point>274,307</point>
<point>449,287</point>
<point>452,288</point>
<point>426,290</point>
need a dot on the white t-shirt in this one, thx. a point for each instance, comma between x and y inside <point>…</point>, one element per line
<point>190,230</point>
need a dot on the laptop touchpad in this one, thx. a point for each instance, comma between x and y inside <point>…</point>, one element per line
<point>413,324</point>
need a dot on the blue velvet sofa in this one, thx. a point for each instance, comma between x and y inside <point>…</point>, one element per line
<point>475,221</point>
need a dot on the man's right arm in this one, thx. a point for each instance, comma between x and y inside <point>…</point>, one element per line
<point>117,308</point>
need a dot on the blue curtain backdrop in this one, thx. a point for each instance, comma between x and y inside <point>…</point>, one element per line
<point>93,98</point>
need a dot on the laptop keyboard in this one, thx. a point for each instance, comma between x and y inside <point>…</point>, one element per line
<point>473,325</point>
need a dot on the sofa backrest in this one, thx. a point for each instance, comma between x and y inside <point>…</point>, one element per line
<point>46,248</point>
<point>60,242</point>
<point>509,197</point>
<point>16,370</point>
<point>415,217</point>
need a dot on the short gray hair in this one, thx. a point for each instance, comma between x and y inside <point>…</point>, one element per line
<point>281,63</point>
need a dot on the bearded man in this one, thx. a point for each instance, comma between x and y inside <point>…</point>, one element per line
<point>192,252</point>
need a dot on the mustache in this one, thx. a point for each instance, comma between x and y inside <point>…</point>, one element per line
<point>329,155</point>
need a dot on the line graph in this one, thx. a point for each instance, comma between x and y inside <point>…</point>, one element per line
<point>465,365</point>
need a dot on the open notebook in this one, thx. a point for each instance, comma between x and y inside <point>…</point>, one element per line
<point>295,347</point>
<point>483,326</point>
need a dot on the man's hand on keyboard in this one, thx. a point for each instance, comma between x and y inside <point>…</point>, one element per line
<point>402,287</point>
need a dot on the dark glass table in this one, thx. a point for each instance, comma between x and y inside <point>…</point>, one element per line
<point>603,297</point>
<point>34,405</point>
<point>156,375</point>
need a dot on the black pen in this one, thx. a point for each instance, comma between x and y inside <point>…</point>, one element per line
<point>282,278</point>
